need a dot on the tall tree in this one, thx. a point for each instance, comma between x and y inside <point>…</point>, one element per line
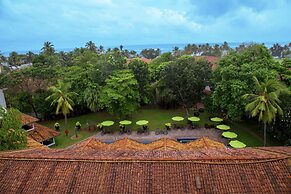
<point>62,98</point>
<point>29,57</point>
<point>234,78</point>
<point>265,101</point>
<point>48,48</point>
<point>91,46</point>
<point>12,136</point>
<point>91,97</point>
<point>120,94</point>
<point>187,78</point>
<point>142,75</point>
<point>150,53</point>
<point>14,60</point>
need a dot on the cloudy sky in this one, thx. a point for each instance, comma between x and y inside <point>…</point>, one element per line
<point>26,24</point>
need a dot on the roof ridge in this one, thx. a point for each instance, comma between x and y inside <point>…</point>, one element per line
<point>199,161</point>
<point>272,151</point>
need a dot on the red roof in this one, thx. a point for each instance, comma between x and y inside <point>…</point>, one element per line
<point>88,168</point>
<point>42,133</point>
<point>27,119</point>
<point>211,59</point>
<point>140,58</point>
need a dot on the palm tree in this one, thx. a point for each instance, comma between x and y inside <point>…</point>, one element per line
<point>91,46</point>
<point>101,49</point>
<point>62,97</point>
<point>14,60</point>
<point>91,97</point>
<point>48,48</point>
<point>29,57</point>
<point>265,101</point>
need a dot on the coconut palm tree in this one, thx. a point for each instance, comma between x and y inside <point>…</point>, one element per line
<point>48,48</point>
<point>91,97</point>
<point>62,97</point>
<point>91,46</point>
<point>265,101</point>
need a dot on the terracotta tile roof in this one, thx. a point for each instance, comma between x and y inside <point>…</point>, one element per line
<point>211,59</point>
<point>32,144</point>
<point>42,133</point>
<point>146,60</point>
<point>89,168</point>
<point>27,119</point>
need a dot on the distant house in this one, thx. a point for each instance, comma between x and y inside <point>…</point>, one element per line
<point>37,132</point>
<point>140,58</point>
<point>1,68</point>
<point>213,62</point>
<point>211,59</point>
<point>2,99</point>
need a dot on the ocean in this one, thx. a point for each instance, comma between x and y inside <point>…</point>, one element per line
<point>162,47</point>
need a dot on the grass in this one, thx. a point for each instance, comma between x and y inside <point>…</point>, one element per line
<point>247,131</point>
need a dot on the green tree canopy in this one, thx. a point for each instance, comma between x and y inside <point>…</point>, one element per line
<point>12,136</point>
<point>234,77</point>
<point>120,94</point>
<point>142,75</point>
<point>264,103</point>
<point>186,78</point>
<point>62,98</point>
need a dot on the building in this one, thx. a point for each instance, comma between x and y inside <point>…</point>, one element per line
<point>2,99</point>
<point>213,63</point>
<point>211,59</point>
<point>163,166</point>
<point>37,132</point>
<point>146,60</point>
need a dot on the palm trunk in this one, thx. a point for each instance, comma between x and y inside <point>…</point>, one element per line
<point>265,133</point>
<point>66,119</point>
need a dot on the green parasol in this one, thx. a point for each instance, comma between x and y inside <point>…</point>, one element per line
<point>223,127</point>
<point>125,122</point>
<point>237,144</point>
<point>142,122</point>
<point>107,123</point>
<point>229,135</point>
<point>194,119</point>
<point>216,119</point>
<point>177,118</point>
<point>168,124</point>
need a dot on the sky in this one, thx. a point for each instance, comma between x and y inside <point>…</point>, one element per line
<point>27,24</point>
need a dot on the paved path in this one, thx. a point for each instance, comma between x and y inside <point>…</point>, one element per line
<point>213,134</point>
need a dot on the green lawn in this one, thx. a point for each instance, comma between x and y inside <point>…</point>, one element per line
<point>247,131</point>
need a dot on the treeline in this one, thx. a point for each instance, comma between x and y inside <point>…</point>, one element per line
<point>120,83</point>
<point>15,60</point>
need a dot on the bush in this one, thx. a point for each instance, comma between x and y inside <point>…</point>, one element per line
<point>201,109</point>
<point>12,136</point>
<point>196,114</point>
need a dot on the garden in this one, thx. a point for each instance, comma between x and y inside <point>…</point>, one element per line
<point>157,118</point>
<point>247,88</point>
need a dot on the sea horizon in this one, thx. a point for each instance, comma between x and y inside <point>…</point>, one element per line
<point>164,47</point>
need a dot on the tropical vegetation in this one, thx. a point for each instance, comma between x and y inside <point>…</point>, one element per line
<point>121,81</point>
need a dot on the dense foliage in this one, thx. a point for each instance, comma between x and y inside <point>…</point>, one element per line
<point>186,78</point>
<point>265,102</point>
<point>121,81</point>
<point>234,78</point>
<point>12,136</point>
<point>120,94</point>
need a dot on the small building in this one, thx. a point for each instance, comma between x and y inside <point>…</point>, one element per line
<point>211,59</point>
<point>2,99</point>
<point>1,68</point>
<point>146,60</point>
<point>38,132</point>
